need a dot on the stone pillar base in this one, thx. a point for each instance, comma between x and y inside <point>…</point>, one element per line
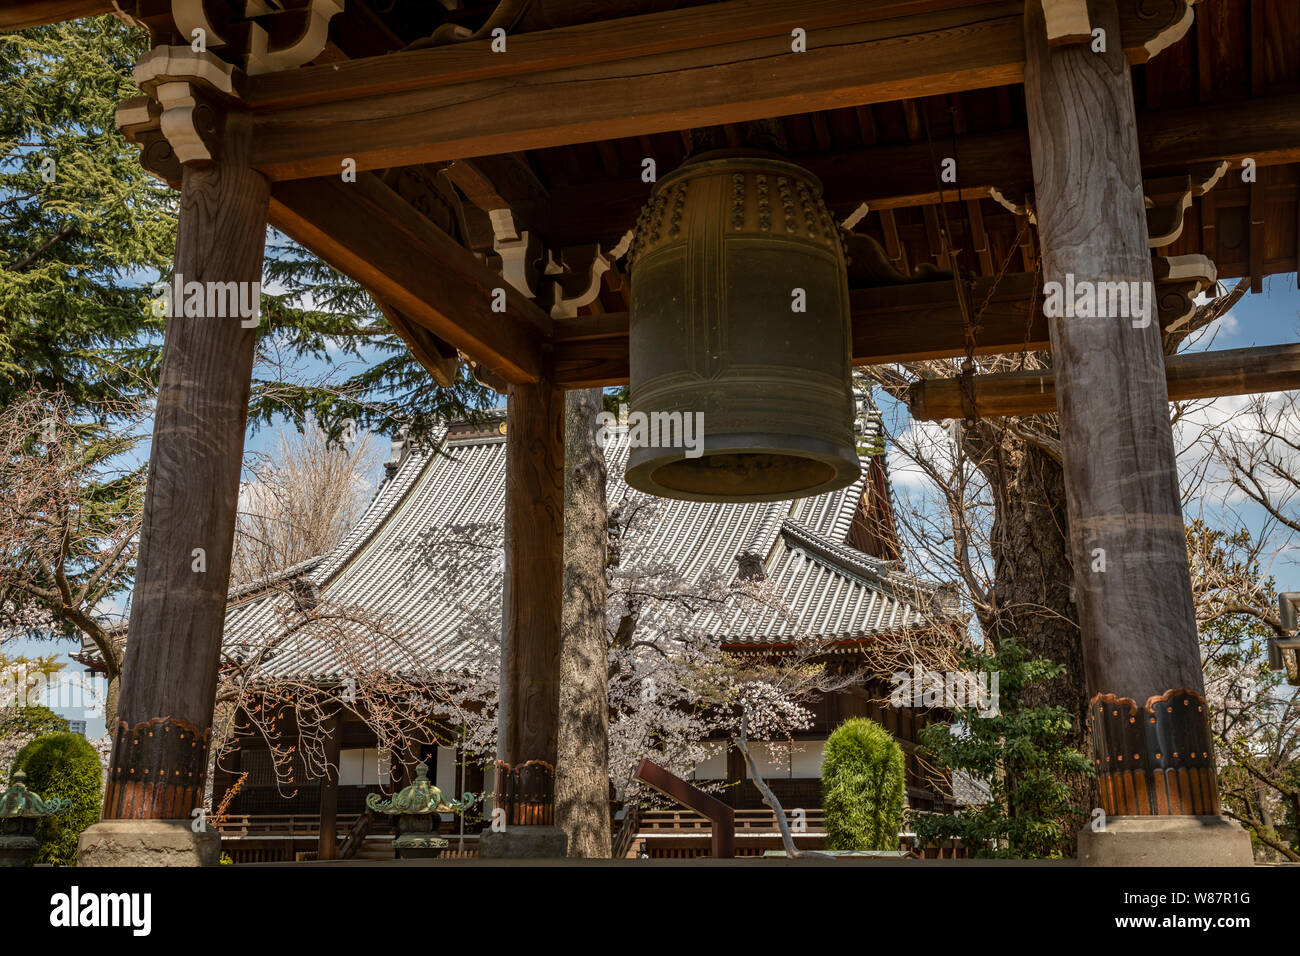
<point>147,843</point>
<point>1166,841</point>
<point>523,842</point>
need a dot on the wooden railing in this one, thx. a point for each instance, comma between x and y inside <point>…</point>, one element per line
<point>636,823</point>
<point>254,825</point>
<point>626,834</point>
<point>747,821</point>
<point>356,835</point>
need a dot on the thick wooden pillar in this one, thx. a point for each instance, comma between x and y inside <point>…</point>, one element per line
<point>179,605</point>
<point>534,571</point>
<point>529,696</point>
<point>327,846</point>
<point>1151,740</point>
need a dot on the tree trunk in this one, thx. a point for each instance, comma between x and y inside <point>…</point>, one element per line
<point>1031,595</point>
<point>792,852</point>
<point>582,771</point>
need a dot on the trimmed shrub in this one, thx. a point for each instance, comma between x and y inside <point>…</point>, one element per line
<point>62,765</point>
<point>862,783</point>
<point>19,726</point>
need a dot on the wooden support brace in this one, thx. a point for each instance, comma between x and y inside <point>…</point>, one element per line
<point>1190,375</point>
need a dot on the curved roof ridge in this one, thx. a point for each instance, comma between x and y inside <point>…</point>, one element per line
<point>889,574</point>
<point>276,577</point>
<point>385,503</point>
<point>762,539</point>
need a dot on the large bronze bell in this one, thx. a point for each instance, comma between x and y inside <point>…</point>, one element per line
<point>739,325</point>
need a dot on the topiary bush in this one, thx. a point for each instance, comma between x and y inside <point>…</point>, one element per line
<point>62,765</point>
<point>862,785</point>
<point>19,726</point>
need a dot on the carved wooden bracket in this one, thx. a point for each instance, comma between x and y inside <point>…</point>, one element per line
<point>179,119</point>
<point>1179,280</point>
<point>1166,22</point>
<point>1148,27</point>
<point>139,119</point>
<point>1167,200</point>
<point>518,252</point>
<point>575,279</point>
<point>308,46</point>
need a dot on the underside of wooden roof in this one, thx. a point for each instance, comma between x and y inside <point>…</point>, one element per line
<point>589,91</point>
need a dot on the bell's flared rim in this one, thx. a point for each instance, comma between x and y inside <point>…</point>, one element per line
<point>740,468</point>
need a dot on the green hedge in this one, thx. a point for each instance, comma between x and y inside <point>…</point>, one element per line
<point>26,723</point>
<point>62,765</point>
<point>862,785</point>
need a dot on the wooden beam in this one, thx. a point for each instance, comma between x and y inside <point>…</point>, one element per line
<point>708,65</point>
<point>439,358</point>
<point>1191,375</point>
<point>902,174</point>
<point>21,14</point>
<point>581,45</point>
<point>367,231</point>
<point>902,323</point>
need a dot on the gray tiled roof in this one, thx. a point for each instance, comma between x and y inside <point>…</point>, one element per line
<point>970,791</point>
<point>828,589</point>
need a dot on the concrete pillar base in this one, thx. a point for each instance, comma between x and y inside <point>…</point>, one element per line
<point>519,843</point>
<point>147,843</point>
<point>1166,841</point>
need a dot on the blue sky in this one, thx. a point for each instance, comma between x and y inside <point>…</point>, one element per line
<point>1270,317</point>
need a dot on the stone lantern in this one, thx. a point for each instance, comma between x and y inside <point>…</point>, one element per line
<point>20,809</point>
<point>419,808</point>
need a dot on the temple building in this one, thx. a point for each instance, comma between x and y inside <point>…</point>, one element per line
<point>833,562</point>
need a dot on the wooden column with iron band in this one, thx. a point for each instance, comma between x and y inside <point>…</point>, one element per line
<point>528,711</point>
<point>1151,739</point>
<point>192,134</point>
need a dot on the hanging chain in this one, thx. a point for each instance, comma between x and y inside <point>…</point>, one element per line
<point>967,376</point>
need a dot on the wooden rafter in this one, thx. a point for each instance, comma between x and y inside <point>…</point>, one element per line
<point>21,14</point>
<point>367,231</point>
<point>901,174</point>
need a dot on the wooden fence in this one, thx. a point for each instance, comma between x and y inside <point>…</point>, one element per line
<point>656,834</point>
